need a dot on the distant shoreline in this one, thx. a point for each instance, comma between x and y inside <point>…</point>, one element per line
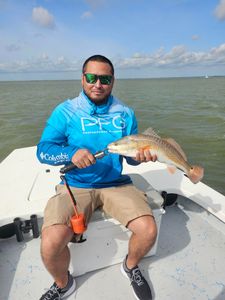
<point>117,78</point>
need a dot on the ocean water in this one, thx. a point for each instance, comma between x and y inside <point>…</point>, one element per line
<point>191,110</point>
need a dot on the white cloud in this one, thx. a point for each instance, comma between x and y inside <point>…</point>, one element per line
<point>43,63</point>
<point>195,37</point>
<point>177,57</point>
<point>220,10</point>
<point>42,17</point>
<point>44,56</point>
<point>61,60</point>
<point>12,47</point>
<point>86,15</point>
<point>218,54</point>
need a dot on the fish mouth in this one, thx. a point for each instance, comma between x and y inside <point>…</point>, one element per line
<point>111,149</point>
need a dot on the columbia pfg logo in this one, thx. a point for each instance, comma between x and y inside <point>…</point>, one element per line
<point>62,157</point>
<point>90,125</point>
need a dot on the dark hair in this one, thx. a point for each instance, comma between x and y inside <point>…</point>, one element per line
<point>99,58</point>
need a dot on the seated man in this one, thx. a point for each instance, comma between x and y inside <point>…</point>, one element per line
<point>76,129</point>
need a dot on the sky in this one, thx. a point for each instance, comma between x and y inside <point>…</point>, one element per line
<point>50,39</point>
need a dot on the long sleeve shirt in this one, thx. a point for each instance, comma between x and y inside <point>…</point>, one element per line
<point>80,124</point>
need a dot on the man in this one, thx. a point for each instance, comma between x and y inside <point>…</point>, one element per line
<point>76,130</point>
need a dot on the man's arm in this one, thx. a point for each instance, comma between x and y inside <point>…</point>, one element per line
<point>53,149</point>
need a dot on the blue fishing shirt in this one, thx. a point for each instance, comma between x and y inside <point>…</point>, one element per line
<point>80,124</point>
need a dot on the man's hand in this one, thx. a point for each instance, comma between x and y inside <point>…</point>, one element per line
<point>83,158</point>
<point>145,156</point>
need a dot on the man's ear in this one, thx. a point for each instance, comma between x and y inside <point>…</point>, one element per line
<point>82,79</point>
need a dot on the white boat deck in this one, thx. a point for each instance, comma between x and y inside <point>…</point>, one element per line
<point>189,263</point>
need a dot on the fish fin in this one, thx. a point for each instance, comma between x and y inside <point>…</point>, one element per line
<point>146,148</point>
<point>150,131</point>
<point>177,147</point>
<point>171,169</point>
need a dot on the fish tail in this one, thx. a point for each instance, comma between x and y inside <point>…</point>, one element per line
<point>196,173</point>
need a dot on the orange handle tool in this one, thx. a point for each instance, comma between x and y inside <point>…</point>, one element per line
<point>78,223</point>
<point>77,220</point>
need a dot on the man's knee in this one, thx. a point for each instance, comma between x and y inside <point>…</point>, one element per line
<point>54,239</point>
<point>145,227</point>
<point>150,229</point>
<point>152,232</point>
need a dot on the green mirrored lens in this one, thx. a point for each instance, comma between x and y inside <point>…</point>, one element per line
<point>92,78</point>
<point>105,79</point>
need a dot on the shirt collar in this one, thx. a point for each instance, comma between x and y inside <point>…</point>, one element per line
<point>93,108</point>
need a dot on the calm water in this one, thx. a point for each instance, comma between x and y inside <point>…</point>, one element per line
<point>191,110</point>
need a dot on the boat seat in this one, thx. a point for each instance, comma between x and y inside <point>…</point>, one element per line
<point>107,240</point>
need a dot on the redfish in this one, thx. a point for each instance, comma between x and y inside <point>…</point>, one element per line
<point>166,150</point>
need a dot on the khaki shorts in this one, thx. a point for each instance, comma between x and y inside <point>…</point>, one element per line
<point>124,203</point>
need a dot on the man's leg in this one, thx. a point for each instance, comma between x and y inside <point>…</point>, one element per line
<point>130,206</point>
<point>142,239</point>
<point>55,253</point>
<point>56,234</point>
<point>144,233</point>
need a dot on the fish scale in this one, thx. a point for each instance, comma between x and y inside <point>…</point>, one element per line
<point>166,150</point>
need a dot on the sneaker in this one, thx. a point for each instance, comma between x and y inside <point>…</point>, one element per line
<point>140,286</point>
<point>57,293</point>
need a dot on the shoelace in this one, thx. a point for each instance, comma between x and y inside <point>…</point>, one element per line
<point>54,290</point>
<point>137,277</point>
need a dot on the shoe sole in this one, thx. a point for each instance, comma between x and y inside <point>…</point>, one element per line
<point>70,291</point>
<point>125,275</point>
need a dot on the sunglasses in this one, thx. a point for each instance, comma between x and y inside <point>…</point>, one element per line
<point>93,78</point>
